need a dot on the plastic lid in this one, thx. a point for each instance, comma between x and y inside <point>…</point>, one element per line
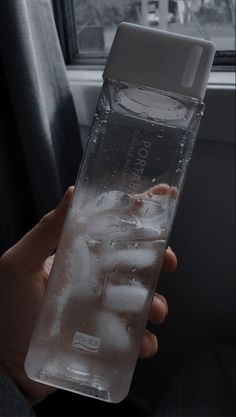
<point>162,60</point>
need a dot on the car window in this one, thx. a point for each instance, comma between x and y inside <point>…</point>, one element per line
<point>90,25</point>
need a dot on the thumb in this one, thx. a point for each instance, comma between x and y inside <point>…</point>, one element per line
<point>40,242</point>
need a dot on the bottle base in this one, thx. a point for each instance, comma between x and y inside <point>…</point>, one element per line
<point>81,383</point>
<point>80,379</point>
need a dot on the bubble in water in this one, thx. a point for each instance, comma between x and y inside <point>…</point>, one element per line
<point>100,200</point>
<point>161,134</point>
<point>144,115</point>
<point>123,228</point>
<point>128,327</point>
<point>97,290</point>
<point>125,200</point>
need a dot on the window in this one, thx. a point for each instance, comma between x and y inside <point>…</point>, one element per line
<point>87,27</point>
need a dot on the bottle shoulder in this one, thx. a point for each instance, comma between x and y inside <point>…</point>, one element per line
<point>149,104</point>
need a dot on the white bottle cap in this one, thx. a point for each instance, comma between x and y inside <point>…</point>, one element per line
<point>162,60</point>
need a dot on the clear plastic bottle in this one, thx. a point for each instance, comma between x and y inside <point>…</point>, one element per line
<point>106,268</point>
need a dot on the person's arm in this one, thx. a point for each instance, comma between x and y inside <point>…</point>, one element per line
<point>24,271</point>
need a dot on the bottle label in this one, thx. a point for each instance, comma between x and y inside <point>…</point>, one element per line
<point>83,341</point>
<point>136,161</point>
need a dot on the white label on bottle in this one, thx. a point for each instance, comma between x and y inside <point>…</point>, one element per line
<point>83,341</point>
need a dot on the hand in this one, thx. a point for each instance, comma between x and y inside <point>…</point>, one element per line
<point>159,307</point>
<point>158,311</point>
<point>24,271</point>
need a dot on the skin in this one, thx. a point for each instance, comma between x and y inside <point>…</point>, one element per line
<point>24,271</point>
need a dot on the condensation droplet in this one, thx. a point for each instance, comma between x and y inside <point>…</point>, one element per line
<point>128,327</point>
<point>144,115</point>
<point>123,228</point>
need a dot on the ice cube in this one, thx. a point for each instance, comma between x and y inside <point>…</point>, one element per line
<point>115,215</point>
<point>126,298</point>
<point>129,258</point>
<point>152,208</point>
<point>62,301</point>
<point>112,332</point>
<point>81,262</point>
<point>112,226</point>
<point>84,268</point>
<point>109,200</point>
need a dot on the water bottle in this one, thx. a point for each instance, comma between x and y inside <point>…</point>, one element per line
<point>94,313</point>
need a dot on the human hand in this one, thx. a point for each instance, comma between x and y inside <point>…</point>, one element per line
<point>159,307</point>
<point>24,271</point>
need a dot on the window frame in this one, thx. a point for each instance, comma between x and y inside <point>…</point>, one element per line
<point>63,10</point>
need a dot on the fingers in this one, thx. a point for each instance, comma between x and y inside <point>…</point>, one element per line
<point>149,345</point>
<point>160,189</point>
<point>169,261</point>
<point>164,189</point>
<point>157,314</point>
<point>159,309</point>
<point>48,264</point>
<point>40,242</point>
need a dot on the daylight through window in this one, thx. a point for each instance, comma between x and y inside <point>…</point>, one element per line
<point>91,24</point>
